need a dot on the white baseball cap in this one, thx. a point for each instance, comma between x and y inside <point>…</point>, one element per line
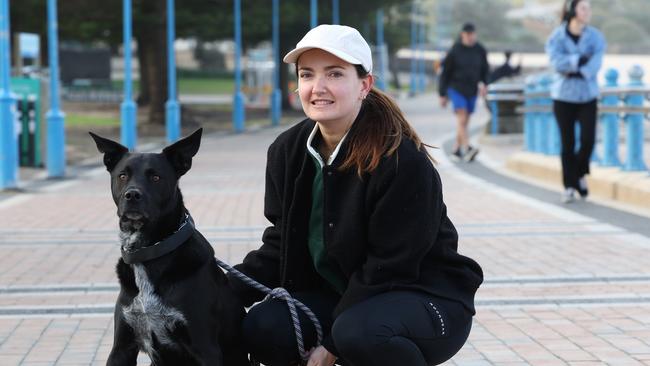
<point>341,41</point>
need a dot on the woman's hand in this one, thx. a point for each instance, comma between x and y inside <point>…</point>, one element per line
<point>320,356</point>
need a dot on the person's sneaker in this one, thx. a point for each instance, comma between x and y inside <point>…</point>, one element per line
<point>457,155</point>
<point>568,195</point>
<point>470,154</point>
<point>583,190</point>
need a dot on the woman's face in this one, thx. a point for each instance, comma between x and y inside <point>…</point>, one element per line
<point>583,11</point>
<point>330,89</point>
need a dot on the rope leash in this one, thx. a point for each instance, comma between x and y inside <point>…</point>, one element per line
<point>282,294</point>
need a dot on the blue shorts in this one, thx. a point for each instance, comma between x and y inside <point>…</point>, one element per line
<point>460,101</point>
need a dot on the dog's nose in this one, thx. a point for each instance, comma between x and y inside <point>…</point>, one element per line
<point>133,194</point>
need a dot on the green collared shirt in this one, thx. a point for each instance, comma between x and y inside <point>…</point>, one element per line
<point>324,266</point>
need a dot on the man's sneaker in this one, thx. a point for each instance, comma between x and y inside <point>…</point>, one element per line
<point>568,195</point>
<point>457,155</point>
<point>470,154</point>
<point>582,187</point>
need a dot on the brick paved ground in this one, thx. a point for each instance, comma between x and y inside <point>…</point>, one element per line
<point>561,289</point>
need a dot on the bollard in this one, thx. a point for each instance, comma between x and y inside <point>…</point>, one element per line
<point>529,131</point>
<point>634,121</point>
<point>546,116</point>
<point>610,122</point>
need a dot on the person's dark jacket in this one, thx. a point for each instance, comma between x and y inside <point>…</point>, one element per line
<point>387,230</point>
<point>462,69</point>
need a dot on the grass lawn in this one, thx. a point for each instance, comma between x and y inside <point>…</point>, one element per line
<point>206,85</point>
<point>75,120</point>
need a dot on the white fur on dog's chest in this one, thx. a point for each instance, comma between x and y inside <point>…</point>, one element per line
<point>147,314</point>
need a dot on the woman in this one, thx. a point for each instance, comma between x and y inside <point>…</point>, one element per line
<point>576,52</point>
<point>359,232</point>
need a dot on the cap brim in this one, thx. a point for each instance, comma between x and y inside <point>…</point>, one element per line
<point>293,55</point>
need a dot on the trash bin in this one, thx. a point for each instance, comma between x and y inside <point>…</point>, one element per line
<point>28,117</point>
<point>504,100</point>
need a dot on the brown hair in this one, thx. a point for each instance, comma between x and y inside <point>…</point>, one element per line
<point>378,131</point>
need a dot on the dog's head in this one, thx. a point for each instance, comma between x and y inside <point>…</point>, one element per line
<point>145,185</point>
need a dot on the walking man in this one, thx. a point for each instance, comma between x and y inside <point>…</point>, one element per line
<point>464,77</point>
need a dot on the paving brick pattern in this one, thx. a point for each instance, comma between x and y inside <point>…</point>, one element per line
<point>561,289</point>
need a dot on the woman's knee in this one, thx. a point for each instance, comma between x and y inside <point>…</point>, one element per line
<point>266,335</point>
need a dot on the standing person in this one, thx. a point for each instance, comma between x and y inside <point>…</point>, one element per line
<point>359,231</point>
<point>464,76</point>
<point>576,52</point>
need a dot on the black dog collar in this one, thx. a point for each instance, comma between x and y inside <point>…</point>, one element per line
<point>163,247</point>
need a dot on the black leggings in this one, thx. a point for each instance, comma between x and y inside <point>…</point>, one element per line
<point>576,164</point>
<point>394,328</point>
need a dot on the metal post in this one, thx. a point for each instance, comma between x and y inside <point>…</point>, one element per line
<point>173,118</point>
<point>276,96</point>
<point>381,75</point>
<point>314,14</point>
<point>610,122</point>
<point>546,117</point>
<point>422,60</point>
<point>238,113</point>
<point>128,107</point>
<point>634,137</point>
<point>413,82</point>
<point>8,140</point>
<point>529,119</point>
<point>55,118</point>
<point>335,12</point>
<point>494,108</point>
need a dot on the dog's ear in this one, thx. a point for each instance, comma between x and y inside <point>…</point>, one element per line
<point>112,150</point>
<point>181,152</point>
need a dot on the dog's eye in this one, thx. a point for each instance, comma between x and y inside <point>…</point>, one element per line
<point>155,178</point>
<point>123,177</point>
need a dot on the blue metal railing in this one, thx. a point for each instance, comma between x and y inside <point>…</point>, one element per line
<point>619,107</point>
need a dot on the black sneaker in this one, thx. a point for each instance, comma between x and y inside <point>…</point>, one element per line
<point>582,189</point>
<point>470,154</point>
<point>457,155</point>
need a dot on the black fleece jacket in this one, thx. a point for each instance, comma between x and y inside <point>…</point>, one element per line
<point>463,68</point>
<point>387,230</point>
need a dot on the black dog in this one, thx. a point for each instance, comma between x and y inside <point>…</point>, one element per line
<point>174,302</point>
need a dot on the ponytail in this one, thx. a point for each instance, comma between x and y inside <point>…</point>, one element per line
<point>378,132</point>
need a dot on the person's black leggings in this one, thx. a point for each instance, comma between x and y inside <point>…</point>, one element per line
<point>394,328</point>
<point>576,164</point>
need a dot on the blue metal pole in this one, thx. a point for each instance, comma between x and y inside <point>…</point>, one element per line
<point>422,59</point>
<point>173,116</point>
<point>128,107</point>
<point>529,119</point>
<point>610,122</point>
<point>546,117</point>
<point>238,113</point>
<point>276,96</point>
<point>413,82</point>
<point>634,137</point>
<point>494,108</point>
<point>381,75</point>
<point>314,14</point>
<point>8,141</point>
<point>336,19</point>
<point>55,118</point>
